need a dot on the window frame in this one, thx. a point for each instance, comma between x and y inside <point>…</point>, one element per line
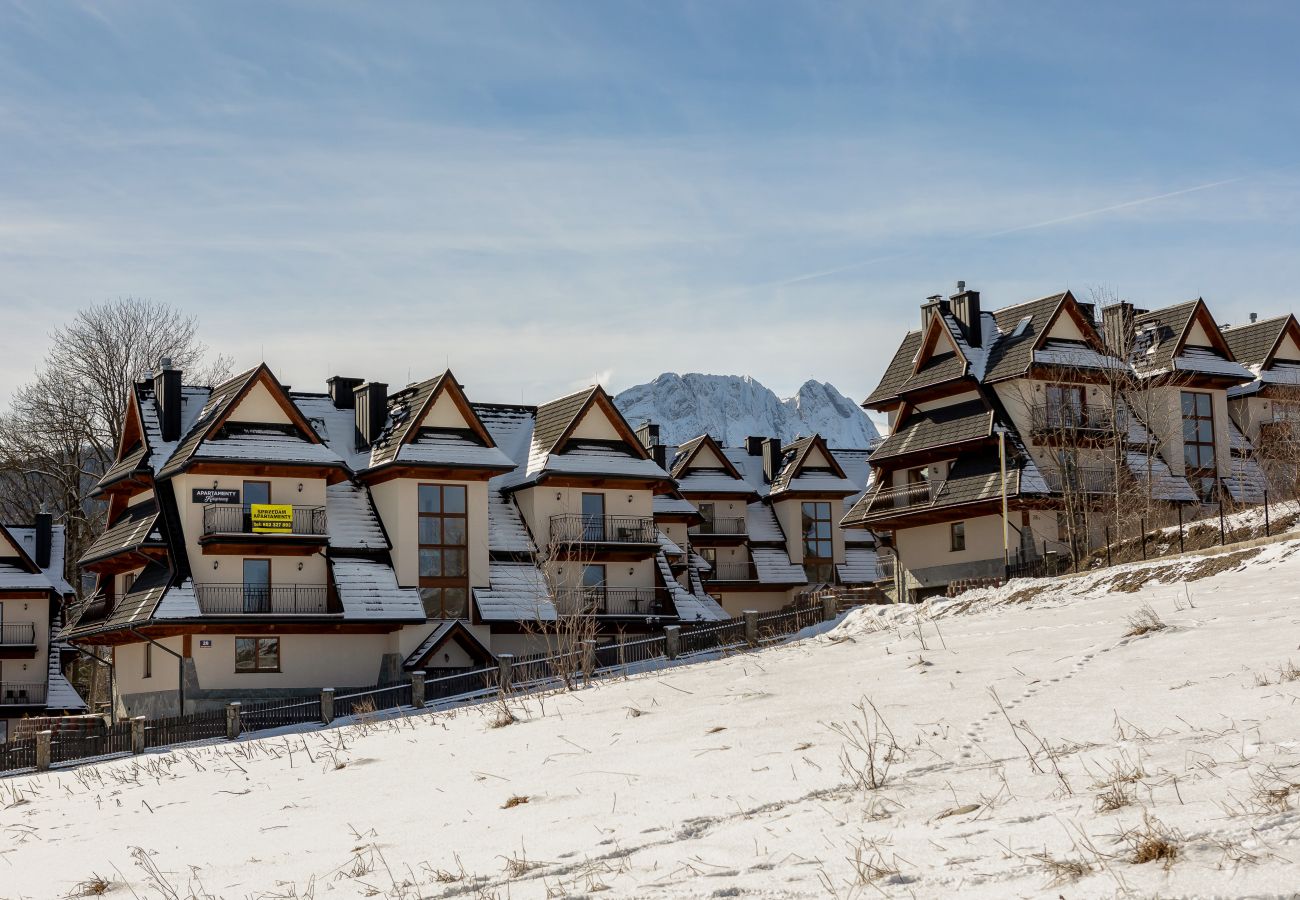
<point>813,541</point>
<point>1203,478</point>
<point>957,537</point>
<point>258,668</point>
<point>148,660</point>
<point>441,583</point>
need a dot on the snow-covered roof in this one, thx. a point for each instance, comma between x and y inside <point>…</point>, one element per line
<point>774,567</point>
<point>451,449</point>
<point>193,400</point>
<point>1208,362</point>
<point>1247,483</point>
<point>668,545</point>
<point>179,602</point>
<point>353,523</point>
<point>272,445</point>
<point>665,505</point>
<point>518,593</point>
<point>1075,355</point>
<point>367,589</point>
<point>691,607</point>
<point>17,579</point>
<point>712,481</point>
<point>859,566</point>
<point>821,482</point>
<point>336,427</point>
<point>507,532</point>
<point>26,537</point>
<point>761,523</point>
<point>1165,485</point>
<point>588,458</point>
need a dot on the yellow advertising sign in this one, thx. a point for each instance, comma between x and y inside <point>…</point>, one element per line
<point>271,518</point>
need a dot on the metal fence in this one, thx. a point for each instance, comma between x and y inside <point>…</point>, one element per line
<point>586,660</point>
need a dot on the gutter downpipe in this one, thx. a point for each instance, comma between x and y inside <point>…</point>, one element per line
<point>180,667</point>
<point>1002,465</point>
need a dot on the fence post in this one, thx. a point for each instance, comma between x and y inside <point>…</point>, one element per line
<point>1267,532</point>
<point>232,721</point>
<point>672,641</point>
<point>1222,536</point>
<point>417,690</point>
<point>751,626</point>
<point>326,705</point>
<point>830,607</point>
<point>588,659</point>
<point>1180,528</point>
<point>137,735</point>
<point>1142,523</point>
<point>42,751</point>
<point>1108,547</point>
<point>506,672</point>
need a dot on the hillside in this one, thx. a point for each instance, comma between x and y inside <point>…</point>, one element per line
<point>752,775</point>
<point>732,407</point>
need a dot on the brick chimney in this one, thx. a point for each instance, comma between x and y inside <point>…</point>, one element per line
<point>167,396</point>
<point>648,434</point>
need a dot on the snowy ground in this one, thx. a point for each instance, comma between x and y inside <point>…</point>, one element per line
<point>748,777</point>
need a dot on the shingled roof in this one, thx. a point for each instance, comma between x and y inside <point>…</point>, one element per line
<point>1013,352</point>
<point>1158,334</point>
<point>897,372</point>
<point>1251,344</point>
<point>942,427</point>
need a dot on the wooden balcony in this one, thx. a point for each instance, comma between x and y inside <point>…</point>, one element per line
<point>231,529</point>
<point>17,640</point>
<point>1050,424</point>
<point>260,601</point>
<point>614,602</point>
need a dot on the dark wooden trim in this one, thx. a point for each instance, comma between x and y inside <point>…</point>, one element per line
<point>332,473</point>
<point>428,471</point>
<point>261,545</point>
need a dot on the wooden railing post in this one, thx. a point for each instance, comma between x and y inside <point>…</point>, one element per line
<point>417,690</point>
<point>42,751</point>
<point>327,705</point>
<point>751,626</point>
<point>505,672</point>
<point>672,641</point>
<point>232,721</point>
<point>137,735</point>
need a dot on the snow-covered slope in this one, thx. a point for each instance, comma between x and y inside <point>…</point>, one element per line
<point>1026,745</point>
<point>732,407</point>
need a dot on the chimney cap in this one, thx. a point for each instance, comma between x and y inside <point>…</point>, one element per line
<point>1253,318</point>
<point>165,363</point>
<point>961,286</point>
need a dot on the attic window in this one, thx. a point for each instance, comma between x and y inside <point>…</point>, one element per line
<point>1021,326</point>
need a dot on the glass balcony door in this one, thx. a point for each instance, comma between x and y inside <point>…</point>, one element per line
<point>257,585</point>
<point>593,517</point>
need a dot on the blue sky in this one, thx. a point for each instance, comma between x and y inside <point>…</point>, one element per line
<point>546,193</point>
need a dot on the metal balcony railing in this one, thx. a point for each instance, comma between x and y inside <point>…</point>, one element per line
<point>277,600</point>
<point>17,693</point>
<point>728,526</point>
<point>1067,420</point>
<point>231,518</point>
<point>733,571</point>
<point>922,493</point>
<point>611,601</point>
<point>18,634</point>
<point>886,567</point>
<point>1080,481</point>
<point>579,529</point>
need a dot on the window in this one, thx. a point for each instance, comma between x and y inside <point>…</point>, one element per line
<point>593,517</point>
<point>148,660</point>
<point>128,581</point>
<point>1198,443</point>
<point>257,654</point>
<point>957,536</point>
<point>818,552</point>
<point>1065,405</point>
<point>254,492</point>
<point>443,548</point>
<point>706,510</point>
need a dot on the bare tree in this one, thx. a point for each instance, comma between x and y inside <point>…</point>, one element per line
<point>61,431</point>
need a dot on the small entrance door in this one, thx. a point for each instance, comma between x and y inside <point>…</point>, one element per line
<point>593,517</point>
<point>257,585</point>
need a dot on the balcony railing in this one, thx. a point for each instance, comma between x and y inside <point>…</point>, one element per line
<point>611,601</point>
<point>259,600</point>
<point>17,693</point>
<point>886,566</point>
<point>733,571</point>
<point>578,529</point>
<point>727,526</point>
<point>18,634</point>
<point>922,493</point>
<point>231,518</point>
<point>1080,481</point>
<point>1048,419</point>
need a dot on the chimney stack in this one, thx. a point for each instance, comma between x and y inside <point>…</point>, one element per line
<point>754,445</point>
<point>342,391</point>
<point>44,539</point>
<point>648,435</point>
<point>1253,317</point>
<point>932,303</point>
<point>771,458</point>
<point>167,396</point>
<point>1117,328</point>
<point>966,307</point>
<point>371,403</point>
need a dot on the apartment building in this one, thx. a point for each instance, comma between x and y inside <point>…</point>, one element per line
<point>1267,408</point>
<point>1008,426</point>
<point>33,593</point>
<point>263,541</point>
<point>766,519</point>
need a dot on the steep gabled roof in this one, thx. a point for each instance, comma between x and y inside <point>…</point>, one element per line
<point>13,554</point>
<point>687,452</point>
<point>795,457</point>
<point>407,410</point>
<point>916,430</point>
<point>223,401</point>
<point>897,372</point>
<point>1160,334</point>
<point>933,366</point>
<point>1254,344</point>
<point>556,423</point>
<point>1013,351</point>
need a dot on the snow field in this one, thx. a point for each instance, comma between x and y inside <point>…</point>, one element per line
<point>1016,742</point>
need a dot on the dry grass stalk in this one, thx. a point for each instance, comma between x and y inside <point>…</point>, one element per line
<point>1145,621</point>
<point>1151,842</point>
<point>869,864</point>
<point>870,747</point>
<point>1062,871</point>
<point>94,886</point>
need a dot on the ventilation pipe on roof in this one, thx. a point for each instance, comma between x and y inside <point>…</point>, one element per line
<point>342,391</point>
<point>167,397</point>
<point>1253,317</point>
<point>371,403</point>
<point>966,308</point>
<point>44,539</point>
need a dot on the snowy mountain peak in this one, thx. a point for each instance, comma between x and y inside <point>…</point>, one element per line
<point>732,407</point>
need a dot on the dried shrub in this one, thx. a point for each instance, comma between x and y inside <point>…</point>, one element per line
<point>1144,621</point>
<point>1151,842</point>
<point>516,800</point>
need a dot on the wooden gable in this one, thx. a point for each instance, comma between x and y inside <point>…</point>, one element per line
<point>12,552</point>
<point>600,420</point>
<point>707,454</point>
<point>1203,331</point>
<point>448,407</point>
<point>1287,346</point>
